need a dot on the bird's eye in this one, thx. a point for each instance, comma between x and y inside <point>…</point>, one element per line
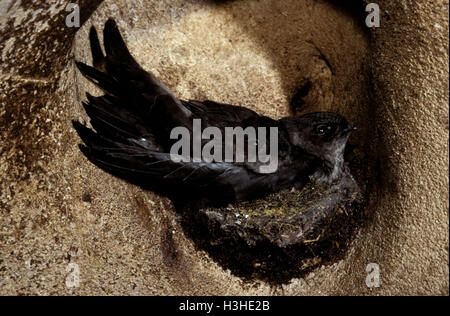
<point>322,129</point>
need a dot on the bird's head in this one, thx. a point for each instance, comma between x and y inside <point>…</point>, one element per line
<point>321,134</point>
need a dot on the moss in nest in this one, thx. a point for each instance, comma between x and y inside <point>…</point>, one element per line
<point>284,204</point>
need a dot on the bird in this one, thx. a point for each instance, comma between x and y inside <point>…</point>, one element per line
<point>131,126</point>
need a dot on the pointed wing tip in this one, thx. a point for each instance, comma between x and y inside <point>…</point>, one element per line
<point>89,96</point>
<point>92,31</point>
<point>111,27</point>
<point>81,66</point>
<point>86,70</point>
<point>110,22</point>
<point>85,133</point>
<point>88,152</point>
<point>77,124</point>
<point>83,148</point>
<point>79,127</point>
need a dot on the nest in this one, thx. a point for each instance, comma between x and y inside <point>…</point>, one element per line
<point>283,235</point>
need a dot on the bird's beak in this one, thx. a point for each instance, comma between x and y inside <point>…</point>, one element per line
<point>350,129</point>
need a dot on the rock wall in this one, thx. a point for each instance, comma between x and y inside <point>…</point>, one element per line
<point>56,208</point>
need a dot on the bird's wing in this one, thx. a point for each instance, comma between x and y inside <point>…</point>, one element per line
<point>220,113</point>
<point>137,91</point>
<point>123,140</point>
<point>225,116</point>
<point>156,171</point>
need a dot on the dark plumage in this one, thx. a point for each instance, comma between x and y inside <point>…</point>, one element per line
<point>133,121</point>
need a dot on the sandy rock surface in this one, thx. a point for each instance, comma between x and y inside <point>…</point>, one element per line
<point>59,214</point>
